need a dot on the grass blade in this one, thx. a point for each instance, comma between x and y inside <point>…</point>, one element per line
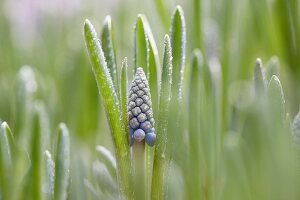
<point>141,46</point>
<point>159,165</point>
<point>106,89</point>
<point>124,84</point>
<point>178,40</point>
<point>194,125</point>
<point>109,51</point>
<point>154,67</point>
<point>50,174</point>
<point>276,98</point>
<point>5,160</point>
<point>259,79</point>
<point>104,179</point>
<point>36,155</point>
<point>154,71</point>
<point>108,159</point>
<point>197,12</point>
<point>62,164</point>
<point>162,11</point>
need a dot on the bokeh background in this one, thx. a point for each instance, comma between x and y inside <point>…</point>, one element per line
<point>48,37</point>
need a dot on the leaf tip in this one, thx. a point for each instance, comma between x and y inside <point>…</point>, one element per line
<point>258,62</point>
<point>4,125</point>
<point>107,20</point>
<point>124,62</point>
<point>178,10</point>
<point>274,81</point>
<point>197,57</point>
<point>167,39</point>
<point>63,128</point>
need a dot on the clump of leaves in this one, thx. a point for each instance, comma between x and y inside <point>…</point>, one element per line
<point>153,165</point>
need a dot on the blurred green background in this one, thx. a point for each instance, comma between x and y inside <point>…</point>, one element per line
<point>48,36</point>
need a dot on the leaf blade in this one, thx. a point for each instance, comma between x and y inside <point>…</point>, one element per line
<point>62,164</point>
<point>109,50</point>
<point>111,105</point>
<point>158,178</point>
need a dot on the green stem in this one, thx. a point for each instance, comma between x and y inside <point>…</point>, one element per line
<point>139,170</point>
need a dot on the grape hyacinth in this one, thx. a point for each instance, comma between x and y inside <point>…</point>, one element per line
<point>140,115</point>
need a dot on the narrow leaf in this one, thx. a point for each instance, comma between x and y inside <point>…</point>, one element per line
<point>5,161</point>
<point>109,51</point>
<point>107,158</point>
<point>35,173</point>
<point>5,146</point>
<point>103,178</point>
<point>141,46</point>
<point>154,67</point>
<point>158,178</point>
<point>124,84</point>
<point>178,41</point>
<point>162,11</point>
<point>62,163</point>
<point>259,79</point>
<point>110,101</point>
<point>276,97</point>
<point>194,123</point>
<point>50,173</point>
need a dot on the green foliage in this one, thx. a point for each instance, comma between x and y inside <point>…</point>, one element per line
<point>111,104</point>
<point>109,51</point>
<point>62,164</point>
<point>159,165</point>
<point>223,128</point>
<point>141,46</point>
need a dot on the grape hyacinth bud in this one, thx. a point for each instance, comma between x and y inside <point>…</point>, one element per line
<point>140,115</point>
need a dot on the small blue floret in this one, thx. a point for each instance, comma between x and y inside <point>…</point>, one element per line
<point>139,135</point>
<point>150,138</point>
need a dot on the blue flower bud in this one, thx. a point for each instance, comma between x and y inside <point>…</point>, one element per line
<point>140,114</point>
<point>139,135</point>
<point>150,138</point>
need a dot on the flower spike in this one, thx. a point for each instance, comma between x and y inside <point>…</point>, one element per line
<point>140,114</point>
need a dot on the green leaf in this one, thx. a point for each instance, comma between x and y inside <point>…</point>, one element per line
<point>62,164</point>
<point>159,165</point>
<point>259,79</point>
<point>124,84</point>
<point>197,14</point>
<point>107,158</point>
<point>6,163</point>
<point>154,73</point>
<point>178,41</point>
<point>50,175</point>
<point>194,124</point>
<point>154,67</point>
<point>36,155</point>
<point>6,139</point>
<point>162,11</point>
<point>109,51</point>
<point>104,179</point>
<point>106,89</point>
<point>276,98</point>
<point>141,46</point>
